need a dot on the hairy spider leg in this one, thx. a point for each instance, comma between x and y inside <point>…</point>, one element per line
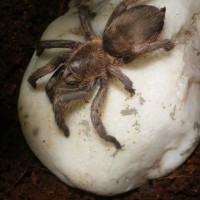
<point>117,73</point>
<point>48,68</point>
<point>84,16</point>
<point>47,44</point>
<point>53,82</point>
<point>95,114</point>
<point>149,47</point>
<point>63,102</point>
<point>119,10</point>
<point>52,88</point>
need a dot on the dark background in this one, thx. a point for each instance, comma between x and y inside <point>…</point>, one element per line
<point>22,176</point>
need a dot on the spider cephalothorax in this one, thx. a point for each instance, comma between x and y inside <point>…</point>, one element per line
<point>129,32</point>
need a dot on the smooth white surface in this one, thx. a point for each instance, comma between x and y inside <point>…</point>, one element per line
<point>159,127</point>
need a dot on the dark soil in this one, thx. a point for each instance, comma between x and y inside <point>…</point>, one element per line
<point>22,176</point>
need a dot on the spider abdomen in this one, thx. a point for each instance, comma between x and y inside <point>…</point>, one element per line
<point>138,25</point>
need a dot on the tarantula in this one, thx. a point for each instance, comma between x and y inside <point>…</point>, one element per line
<point>129,32</point>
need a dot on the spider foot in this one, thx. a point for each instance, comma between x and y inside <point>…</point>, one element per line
<point>131,91</point>
<point>66,132</point>
<point>114,141</point>
<point>32,81</point>
<point>169,45</point>
<point>109,138</point>
<point>64,128</point>
<point>39,50</point>
<point>60,120</point>
<point>61,124</point>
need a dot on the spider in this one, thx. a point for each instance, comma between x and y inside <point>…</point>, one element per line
<point>129,32</point>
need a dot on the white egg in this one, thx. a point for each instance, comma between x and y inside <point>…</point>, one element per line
<point>159,127</point>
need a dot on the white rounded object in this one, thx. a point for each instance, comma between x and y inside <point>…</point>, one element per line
<point>159,126</point>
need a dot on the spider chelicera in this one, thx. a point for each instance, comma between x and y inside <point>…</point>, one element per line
<point>129,32</point>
